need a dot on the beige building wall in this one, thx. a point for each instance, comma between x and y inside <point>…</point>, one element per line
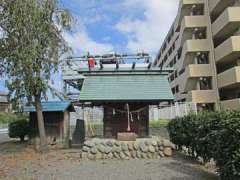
<point>203,48</point>
<point>4,103</point>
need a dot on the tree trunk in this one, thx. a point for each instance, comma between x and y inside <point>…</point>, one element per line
<point>22,138</point>
<point>41,127</point>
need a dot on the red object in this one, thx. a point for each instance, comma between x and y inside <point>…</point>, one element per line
<point>91,63</point>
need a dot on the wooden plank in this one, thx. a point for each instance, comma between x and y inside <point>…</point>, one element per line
<point>126,136</point>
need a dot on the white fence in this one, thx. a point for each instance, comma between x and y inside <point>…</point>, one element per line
<point>95,115</point>
<point>173,111</point>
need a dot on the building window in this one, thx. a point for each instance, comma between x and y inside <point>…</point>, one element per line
<point>177,89</point>
<point>176,74</point>
<point>179,54</point>
<point>181,72</point>
<point>205,83</point>
<point>202,58</point>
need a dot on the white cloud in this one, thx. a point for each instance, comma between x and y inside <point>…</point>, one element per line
<point>149,32</point>
<point>81,43</point>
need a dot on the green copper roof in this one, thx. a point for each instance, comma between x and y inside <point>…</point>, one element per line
<point>56,106</point>
<point>121,88</point>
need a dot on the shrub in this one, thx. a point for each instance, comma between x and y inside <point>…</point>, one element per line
<point>6,118</point>
<point>211,135</point>
<point>18,129</point>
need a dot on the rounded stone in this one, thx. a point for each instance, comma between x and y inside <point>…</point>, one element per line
<point>91,157</point>
<point>154,143</point>
<point>97,141</point>
<point>167,151</point>
<point>143,147</point>
<point>143,155</point>
<point>93,150</point>
<point>89,143</point>
<point>122,155</point>
<point>104,156</point>
<point>130,146</point>
<point>108,150</point>
<point>149,155</point>
<point>160,142</point>
<point>134,154</point>
<point>138,154</point>
<point>161,148</point>
<point>151,149</point>
<point>85,149</point>
<point>124,147</point>
<point>136,145</point>
<point>116,155</point>
<point>127,153</point>
<point>99,155</point>
<point>167,143</point>
<point>110,143</point>
<point>148,142</point>
<point>117,143</point>
<point>101,148</point>
<point>110,155</point>
<point>116,149</point>
<point>161,154</point>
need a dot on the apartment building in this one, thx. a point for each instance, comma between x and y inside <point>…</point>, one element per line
<point>4,102</point>
<point>203,48</point>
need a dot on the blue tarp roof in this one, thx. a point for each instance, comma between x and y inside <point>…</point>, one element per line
<point>56,106</point>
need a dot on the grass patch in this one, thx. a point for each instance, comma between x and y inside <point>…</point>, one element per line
<point>6,118</point>
<point>160,122</point>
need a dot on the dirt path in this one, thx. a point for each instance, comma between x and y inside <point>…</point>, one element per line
<point>22,163</point>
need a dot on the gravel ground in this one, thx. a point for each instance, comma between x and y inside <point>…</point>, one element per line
<point>18,161</point>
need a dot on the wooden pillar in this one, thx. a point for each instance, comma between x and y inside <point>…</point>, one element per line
<point>66,129</point>
<point>147,123</point>
<point>107,128</point>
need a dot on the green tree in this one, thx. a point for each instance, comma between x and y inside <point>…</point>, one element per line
<point>30,47</point>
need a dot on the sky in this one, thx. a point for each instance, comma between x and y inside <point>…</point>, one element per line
<point>122,26</point>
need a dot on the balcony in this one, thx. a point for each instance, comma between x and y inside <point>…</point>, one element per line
<point>216,7</point>
<point>202,96</point>
<point>193,72</point>
<point>226,24</point>
<point>228,51</point>
<point>189,23</point>
<point>190,48</point>
<point>198,70</point>
<point>229,78</point>
<point>185,8</point>
<point>233,104</point>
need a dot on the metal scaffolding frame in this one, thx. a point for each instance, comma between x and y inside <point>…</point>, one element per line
<point>71,66</point>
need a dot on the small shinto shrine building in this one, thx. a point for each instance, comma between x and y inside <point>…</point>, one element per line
<point>125,93</point>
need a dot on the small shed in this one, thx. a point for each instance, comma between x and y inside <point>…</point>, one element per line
<point>125,94</point>
<point>56,120</point>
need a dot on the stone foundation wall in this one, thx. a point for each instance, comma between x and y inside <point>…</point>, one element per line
<point>151,148</point>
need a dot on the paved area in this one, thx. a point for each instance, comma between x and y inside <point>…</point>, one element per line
<point>3,136</point>
<point>18,161</point>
